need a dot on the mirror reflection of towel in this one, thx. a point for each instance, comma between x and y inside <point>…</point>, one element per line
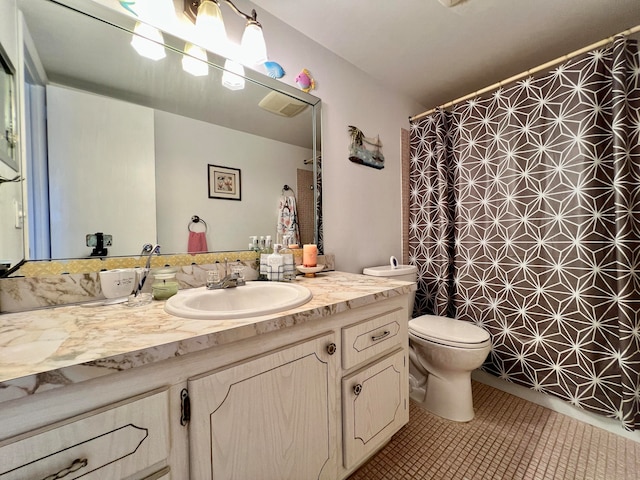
<point>288,219</point>
<point>197,242</point>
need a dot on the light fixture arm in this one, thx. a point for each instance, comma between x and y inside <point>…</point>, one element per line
<point>249,18</point>
<point>191,11</point>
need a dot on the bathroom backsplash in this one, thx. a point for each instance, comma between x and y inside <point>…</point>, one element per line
<point>43,284</point>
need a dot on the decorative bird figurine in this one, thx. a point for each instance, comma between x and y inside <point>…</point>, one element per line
<point>126,4</point>
<point>304,81</point>
<point>274,70</point>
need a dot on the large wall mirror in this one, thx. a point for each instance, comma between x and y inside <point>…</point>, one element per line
<point>7,112</point>
<point>123,145</point>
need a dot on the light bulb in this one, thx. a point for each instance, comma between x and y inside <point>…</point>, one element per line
<point>209,29</point>
<point>254,50</point>
<point>148,41</point>
<point>233,76</point>
<point>194,60</point>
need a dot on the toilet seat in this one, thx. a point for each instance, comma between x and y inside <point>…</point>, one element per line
<point>449,331</point>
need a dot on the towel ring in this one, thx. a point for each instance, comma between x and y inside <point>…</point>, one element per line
<point>287,188</point>
<point>196,219</point>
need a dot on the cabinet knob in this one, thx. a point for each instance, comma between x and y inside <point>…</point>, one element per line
<point>331,348</point>
<point>357,389</point>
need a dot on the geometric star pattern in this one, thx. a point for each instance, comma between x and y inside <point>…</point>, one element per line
<point>525,220</point>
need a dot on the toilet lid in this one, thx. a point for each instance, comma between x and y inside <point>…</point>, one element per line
<point>448,330</point>
<point>389,271</point>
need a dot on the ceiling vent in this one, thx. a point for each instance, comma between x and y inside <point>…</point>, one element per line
<point>276,102</point>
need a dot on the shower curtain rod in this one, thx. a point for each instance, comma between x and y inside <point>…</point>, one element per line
<point>515,78</point>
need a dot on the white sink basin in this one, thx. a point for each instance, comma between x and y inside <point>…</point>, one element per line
<point>250,300</point>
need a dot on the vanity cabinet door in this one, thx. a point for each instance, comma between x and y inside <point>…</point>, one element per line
<point>374,406</point>
<point>273,417</point>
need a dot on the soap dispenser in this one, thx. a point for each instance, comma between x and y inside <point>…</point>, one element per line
<point>275,265</point>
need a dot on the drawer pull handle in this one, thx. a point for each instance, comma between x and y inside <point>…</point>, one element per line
<point>76,465</point>
<point>357,389</point>
<point>331,348</point>
<point>384,334</point>
<point>185,407</point>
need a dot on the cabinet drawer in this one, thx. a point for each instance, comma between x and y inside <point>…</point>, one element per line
<point>374,406</point>
<point>112,442</point>
<point>367,339</point>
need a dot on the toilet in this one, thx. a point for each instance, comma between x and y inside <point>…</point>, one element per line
<point>442,352</point>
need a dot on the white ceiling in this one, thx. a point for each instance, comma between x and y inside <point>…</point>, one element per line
<point>435,54</point>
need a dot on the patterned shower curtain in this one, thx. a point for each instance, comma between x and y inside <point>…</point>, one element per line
<point>525,219</point>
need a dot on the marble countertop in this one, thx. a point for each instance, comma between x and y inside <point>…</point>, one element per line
<point>49,348</point>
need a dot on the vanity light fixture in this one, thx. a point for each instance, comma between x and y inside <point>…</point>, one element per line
<point>147,38</point>
<point>211,31</point>
<point>233,76</point>
<point>194,60</point>
<point>148,41</point>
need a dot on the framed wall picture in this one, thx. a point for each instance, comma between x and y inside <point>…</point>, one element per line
<point>224,182</point>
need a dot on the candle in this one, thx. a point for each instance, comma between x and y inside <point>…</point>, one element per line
<point>309,255</point>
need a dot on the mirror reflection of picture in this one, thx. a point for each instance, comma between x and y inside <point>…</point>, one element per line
<point>224,182</point>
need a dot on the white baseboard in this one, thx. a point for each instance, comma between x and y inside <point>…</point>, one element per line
<point>556,404</point>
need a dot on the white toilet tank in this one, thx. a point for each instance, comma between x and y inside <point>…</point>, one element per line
<point>406,273</point>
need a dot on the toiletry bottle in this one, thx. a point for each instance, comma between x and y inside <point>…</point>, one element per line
<point>289,269</point>
<point>297,253</point>
<point>254,243</point>
<point>285,245</point>
<point>275,265</point>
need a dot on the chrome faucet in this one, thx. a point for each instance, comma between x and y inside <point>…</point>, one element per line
<point>147,249</point>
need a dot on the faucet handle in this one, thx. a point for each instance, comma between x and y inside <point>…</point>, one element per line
<point>146,248</point>
<point>149,248</point>
<point>237,268</point>
<point>213,277</point>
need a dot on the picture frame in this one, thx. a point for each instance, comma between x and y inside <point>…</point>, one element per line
<point>224,182</point>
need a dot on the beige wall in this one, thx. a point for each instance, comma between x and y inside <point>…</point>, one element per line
<point>362,205</point>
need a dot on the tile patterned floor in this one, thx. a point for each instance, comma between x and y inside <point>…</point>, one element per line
<point>510,439</point>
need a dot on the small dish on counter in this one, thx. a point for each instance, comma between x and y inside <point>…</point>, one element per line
<point>310,271</point>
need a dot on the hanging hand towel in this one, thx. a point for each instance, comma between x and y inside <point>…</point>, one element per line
<point>288,219</point>
<point>197,242</point>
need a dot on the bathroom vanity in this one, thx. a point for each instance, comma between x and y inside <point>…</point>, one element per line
<point>121,393</point>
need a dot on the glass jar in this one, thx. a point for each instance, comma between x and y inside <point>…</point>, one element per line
<point>164,284</point>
